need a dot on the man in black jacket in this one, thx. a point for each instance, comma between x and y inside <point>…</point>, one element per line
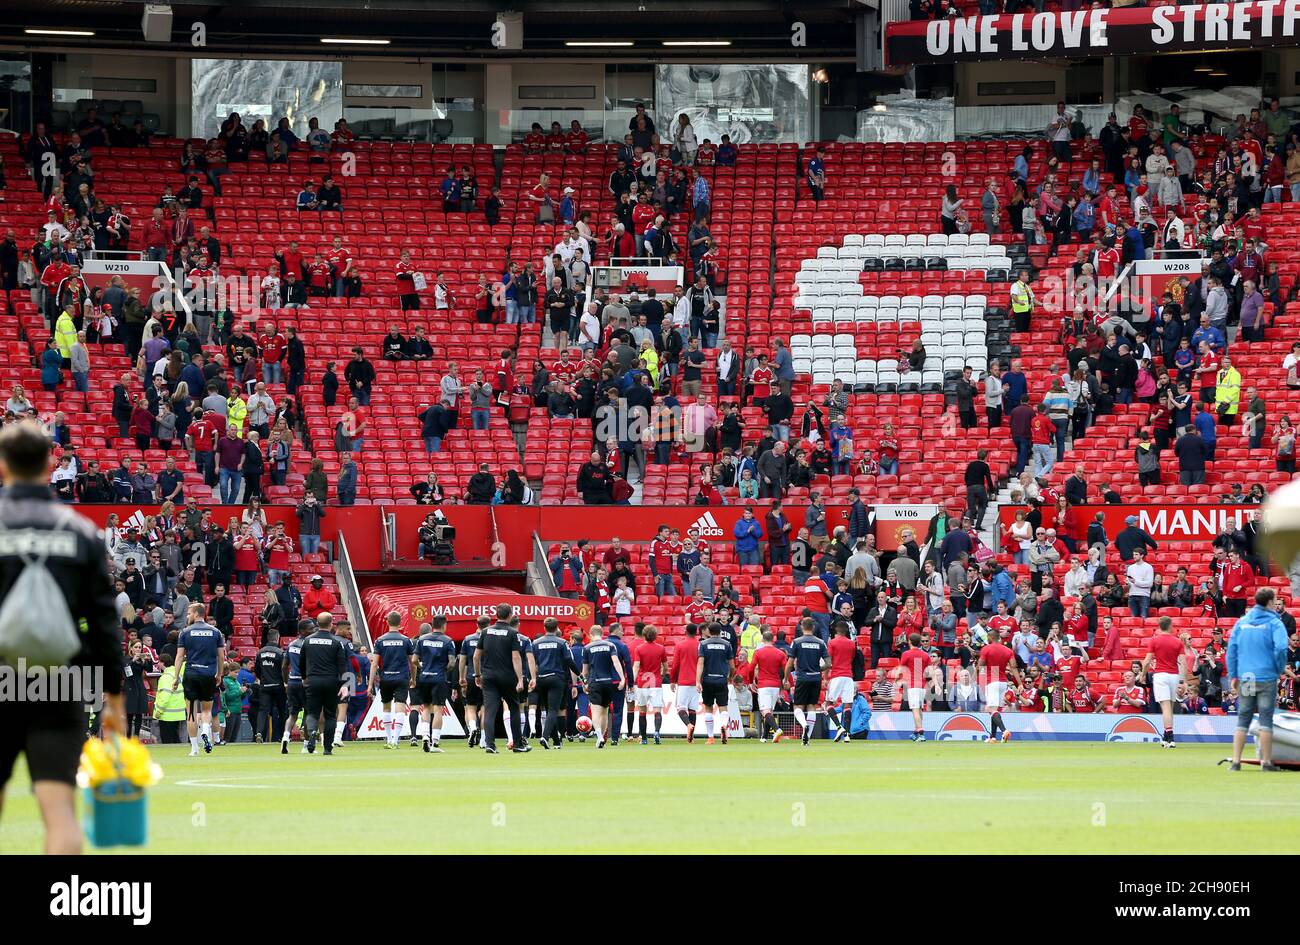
<point>1131,537</point>
<point>221,611</point>
<point>883,618</point>
<point>220,558</point>
<point>295,358</point>
<point>50,733</point>
<point>435,422</point>
<point>594,481</point>
<point>1076,487</point>
<point>979,486</point>
<point>360,375</point>
<point>482,487</point>
<point>323,662</point>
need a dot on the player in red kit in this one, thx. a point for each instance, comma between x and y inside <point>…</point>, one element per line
<point>913,664</point>
<point>996,664</point>
<point>1167,656</point>
<point>648,667</point>
<point>768,662</point>
<point>682,675</point>
<point>840,688</point>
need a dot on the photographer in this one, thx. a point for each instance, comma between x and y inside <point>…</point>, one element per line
<point>1209,676</point>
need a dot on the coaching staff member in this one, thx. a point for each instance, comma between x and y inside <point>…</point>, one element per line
<point>324,660</point>
<point>270,669</point>
<point>556,678</point>
<point>499,669</point>
<point>50,734</point>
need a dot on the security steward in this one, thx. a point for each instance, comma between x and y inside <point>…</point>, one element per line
<point>499,667</point>
<point>34,527</point>
<point>323,662</point>
<point>269,667</point>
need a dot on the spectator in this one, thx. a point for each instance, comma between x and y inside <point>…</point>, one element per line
<point>748,533</point>
<point>345,485</point>
<point>1193,453</point>
<point>1141,578</point>
<point>482,486</point>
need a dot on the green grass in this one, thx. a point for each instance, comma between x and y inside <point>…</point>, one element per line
<point>879,797</point>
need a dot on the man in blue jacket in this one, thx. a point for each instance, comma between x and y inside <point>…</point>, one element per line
<point>1002,587</point>
<point>1257,651</point>
<point>748,534</point>
<point>859,520</point>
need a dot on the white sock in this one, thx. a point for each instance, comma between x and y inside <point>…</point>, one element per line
<point>510,734</point>
<point>545,720</point>
<point>436,735</point>
<point>205,728</point>
<point>532,719</point>
<point>708,723</point>
<point>722,721</point>
<point>798,717</point>
<point>600,734</point>
<point>811,723</point>
<point>194,741</point>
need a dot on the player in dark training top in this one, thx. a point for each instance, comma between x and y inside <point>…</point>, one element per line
<point>469,687</point>
<point>294,693</point>
<point>435,653</point>
<point>392,669</point>
<point>603,674</point>
<point>323,662</point>
<point>809,660</point>
<point>201,656</point>
<point>499,667</point>
<point>269,668</point>
<point>556,675</point>
<point>716,660</point>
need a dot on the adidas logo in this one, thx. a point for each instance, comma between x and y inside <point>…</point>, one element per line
<point>135,521</point>
<point>708,526</point>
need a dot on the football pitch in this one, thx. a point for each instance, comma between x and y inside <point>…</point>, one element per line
<point>876,797</point>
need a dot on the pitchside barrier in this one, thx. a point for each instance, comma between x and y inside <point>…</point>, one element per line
<point>1054,727</point>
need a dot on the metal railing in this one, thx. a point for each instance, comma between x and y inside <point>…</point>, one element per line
<point>349,593</point>
<point>542,565</point>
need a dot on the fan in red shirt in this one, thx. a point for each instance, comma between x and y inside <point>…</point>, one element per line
<point>682,674</point>
<point>1004,623</point>
<point>341,134</point>
<point>707,154</point>
<point>273,345</point>
<point>761,380</point>
<point>1041,429</point>
<point>338,256</point>
<point>1106,262</point>
<point>1237,579</point>
<point>697,609</point>
<point>1130,698</point>
<point>555,140</point>
<point>1166,655</point>
<point>565,368</point>
<point>277,548</point>
<point>318,276</point>
<point>1138,127</point>
<point>535,141</point>
<point>1069,666</point>
<point>912,665</point>
<point>291,260</point>
<point>1083,699</point>
<point>576,140</point>
<point>648,663</point>
<point>1027,698</point>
